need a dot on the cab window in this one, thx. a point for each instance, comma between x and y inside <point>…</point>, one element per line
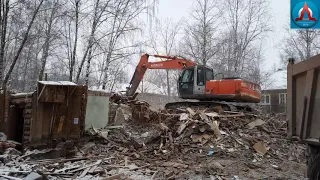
<point>200,77</point>
<point>187,76</point>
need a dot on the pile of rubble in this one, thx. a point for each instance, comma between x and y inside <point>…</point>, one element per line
<point>144,143</point>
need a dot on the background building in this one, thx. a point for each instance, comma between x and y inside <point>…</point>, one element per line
<point>274,93</point>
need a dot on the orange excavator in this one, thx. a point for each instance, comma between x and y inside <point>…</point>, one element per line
<point>198,82</point>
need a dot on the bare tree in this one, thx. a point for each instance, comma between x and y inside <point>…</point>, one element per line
<point>125,12</point>
<point>201,37</point>
<point>164,39</point>
<point>75,44</point>
<point>99,9</point>
<point>25,38</point>
<point>4,10</point>
<point>247,23</point>
<point>299,44</point>
<point>48,36</point>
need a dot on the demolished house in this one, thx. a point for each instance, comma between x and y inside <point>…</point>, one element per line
<point>142,142</point>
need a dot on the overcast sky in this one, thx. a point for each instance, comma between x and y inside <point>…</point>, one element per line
<point>280,10</point>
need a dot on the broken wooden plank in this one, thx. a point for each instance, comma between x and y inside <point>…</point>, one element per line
<point>92,170</point>
<point>114,127</point>
<point>212,114</point>
<point>81,158</point>
<point>84,173</point>
<point>182,127</point>
<point>10,177</point>
<point>154,175</point>
<point>204,117</point>
<point>114,166</point>
<point>82,168</point>
<point>232,115</point>
<point>191,112</point>
<point>126,161</point>
<point>118,176</point>
<point>15,171</point>
<point>141,167</point>
<point>232,112</point>
<point>67,169</point>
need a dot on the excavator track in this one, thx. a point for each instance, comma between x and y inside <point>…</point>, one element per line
<point>226,106</point>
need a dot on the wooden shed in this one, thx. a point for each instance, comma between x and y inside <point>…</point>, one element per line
<point>54,112</point>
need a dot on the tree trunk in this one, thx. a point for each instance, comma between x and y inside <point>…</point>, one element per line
<point>88,67</point>
<point>73,56</point>
<point>90,42</point>
<point>26,69</point>
<point>82,62</point>
<point>308,40</point>
<point>4,6</point>
<point>105,79</point>
<point>16,57</point>
<point>45,52</point>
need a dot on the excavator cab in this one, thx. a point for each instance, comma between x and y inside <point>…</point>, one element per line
<point>192,81</point>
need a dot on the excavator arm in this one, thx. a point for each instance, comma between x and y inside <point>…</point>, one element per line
<point>170,62</point>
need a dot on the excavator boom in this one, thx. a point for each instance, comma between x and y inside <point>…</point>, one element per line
<point>170,62</point>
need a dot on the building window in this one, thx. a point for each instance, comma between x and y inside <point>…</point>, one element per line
<point>283,98</point>
<point>265,99</point>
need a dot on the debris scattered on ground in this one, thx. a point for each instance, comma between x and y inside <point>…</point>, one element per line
<point>260,148</point>
<point>143,143</point>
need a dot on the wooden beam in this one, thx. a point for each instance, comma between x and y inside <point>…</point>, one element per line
<point>309,94</point>
<point>42,90</point>
<point>291,100</point>
<point>307,65</point>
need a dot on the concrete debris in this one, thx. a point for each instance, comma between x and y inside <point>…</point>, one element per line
<point>123,115</point>
<point>182,143</point>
